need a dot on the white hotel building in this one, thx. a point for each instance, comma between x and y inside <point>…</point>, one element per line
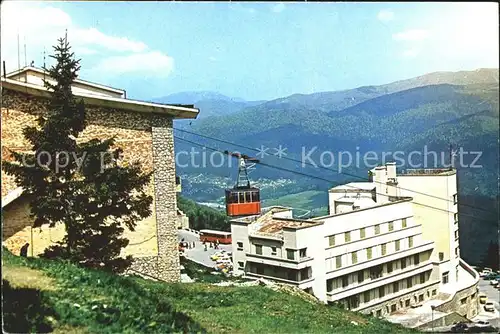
<point>376,252</point>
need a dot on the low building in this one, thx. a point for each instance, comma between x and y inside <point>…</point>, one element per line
<point>144,131</point>
<point>370,254</point>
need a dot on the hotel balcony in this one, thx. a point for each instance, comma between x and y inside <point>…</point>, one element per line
<point>279,261</point>
<point>369,284</point>
<point>429,246</point>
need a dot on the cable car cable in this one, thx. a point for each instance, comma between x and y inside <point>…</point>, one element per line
<point>333,170</point>
<point>323,179</point>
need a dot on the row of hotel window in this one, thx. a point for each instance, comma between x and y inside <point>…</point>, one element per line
<point>333,240</point>
<point>372,273</point>
<point>354,301</point>
<point>371,252</point>
<point>416,299</point>
<point>275,251</point>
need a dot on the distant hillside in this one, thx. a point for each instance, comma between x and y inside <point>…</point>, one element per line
<point>423,114</point>
<point>209,103</point>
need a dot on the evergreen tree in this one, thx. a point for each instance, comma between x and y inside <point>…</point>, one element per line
<point>492,257</point>
<point>80,185</point>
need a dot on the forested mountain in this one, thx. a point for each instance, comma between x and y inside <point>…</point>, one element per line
<point>424,114</point>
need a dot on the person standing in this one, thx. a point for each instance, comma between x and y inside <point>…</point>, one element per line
<point>24,250</point>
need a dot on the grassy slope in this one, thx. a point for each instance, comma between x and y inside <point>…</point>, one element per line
<point>61,297</point>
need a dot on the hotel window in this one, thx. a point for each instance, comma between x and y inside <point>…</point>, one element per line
<point>403,222</point>
<point>434,292</point>
<point>239,245</point>
<point>381,291</point>
<point>463,301</point>
<point>407,303</point>
<point>345,281</point>
<point>361,276</point>
<point>331,240</point>
<point>445,278</point>
<point>409,282</point>
<point>362,233</point>
<point>354,257</point>
<point>456,235</point>
<point>416,259</point>
<point>377,229</point>
<point>347,236</point>
<point>389,267</point>
<point>258,249</point>
<point>391,226</point>
<point>303,253</point>
<point>455,199</point>
<point>395,287</point>
<point>393,308</point>
<point>422,278</point>
<point>329,285</point>
<point>441,256</point>
<point>366,296</point>
<point>403,263</point>
<point>376,272</point>
<point>273,251</point>
<point>338,261</point>
<point>384,249</point>
<point>421,298</point>
<point>369,252</point>
<point>455,217</point>
<point>379,313</point>
<point>457,252</point>
<point>241,265</point>
<point>410,242</point>
<point>290,254</point>
<point>397,245</point>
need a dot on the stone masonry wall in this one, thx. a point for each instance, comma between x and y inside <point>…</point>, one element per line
<point>133,132</point>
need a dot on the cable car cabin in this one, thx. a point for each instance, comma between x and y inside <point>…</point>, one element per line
<point>242,202</point>
<point>212,236</point>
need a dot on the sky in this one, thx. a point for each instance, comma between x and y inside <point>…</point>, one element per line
<point>254,51</point>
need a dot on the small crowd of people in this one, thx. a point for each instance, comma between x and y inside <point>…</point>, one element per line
<point>190,245</point>
<point>214,245</point>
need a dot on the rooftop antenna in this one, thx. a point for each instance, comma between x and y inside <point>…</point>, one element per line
<point>44,68</point>
<point>25,60</point>
<point>453,153</point>
<point>18,56</point>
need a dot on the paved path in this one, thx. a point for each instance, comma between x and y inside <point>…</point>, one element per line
<point>493,296</point>
<point>198,253</point>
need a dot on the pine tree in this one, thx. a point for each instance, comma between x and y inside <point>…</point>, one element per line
<point>80,185</point>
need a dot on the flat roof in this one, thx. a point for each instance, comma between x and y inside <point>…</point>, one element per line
<point>353,186</point>
<point>178,112</point>
<point>77,80</point>
<point>428,172</point>
<point>214,231</point>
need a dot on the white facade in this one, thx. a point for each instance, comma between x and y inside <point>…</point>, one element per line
<point>36,76</point>
<point>375,252</point>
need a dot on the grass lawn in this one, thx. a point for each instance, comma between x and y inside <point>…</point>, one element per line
<point>44,296</point>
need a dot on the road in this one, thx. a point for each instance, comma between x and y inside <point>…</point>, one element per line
<point>198,253</point>
<point>493,296</point>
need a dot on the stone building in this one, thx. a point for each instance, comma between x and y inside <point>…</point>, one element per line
<point>142,129</point>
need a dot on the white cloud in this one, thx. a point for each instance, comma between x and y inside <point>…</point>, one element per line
<point>278,8</point>
<point>385,15</point>
<point>42,25</point>
<point>411,35</point>
<point>240,8</point>
<point>154,63</point>
<point>411,53</point>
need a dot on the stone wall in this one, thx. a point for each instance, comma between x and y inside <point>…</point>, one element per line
<point>134,132</point>
<point>428,292</point>
<point>465,303</point>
